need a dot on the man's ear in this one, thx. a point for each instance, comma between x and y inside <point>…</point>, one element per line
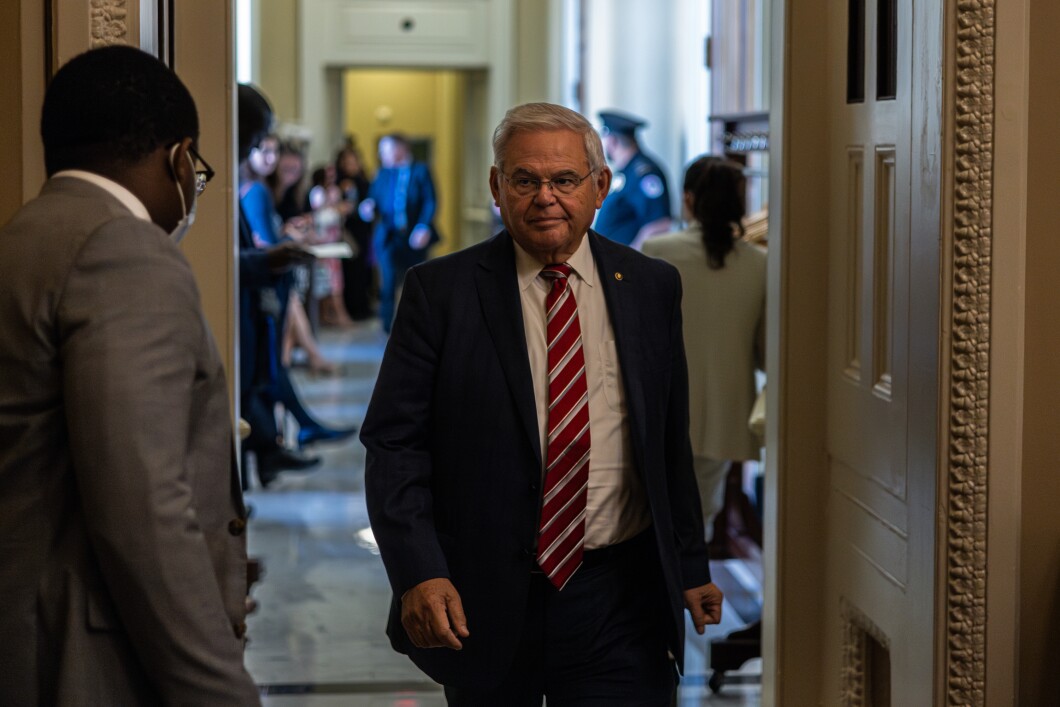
<point>495,184</point>
<point>182,162</point>
<point>603,185</point>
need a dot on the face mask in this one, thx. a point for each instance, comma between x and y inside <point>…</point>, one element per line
<point>181,230</point>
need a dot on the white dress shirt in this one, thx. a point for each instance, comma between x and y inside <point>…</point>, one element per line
<point>126,197</point>
<point>617,508</point>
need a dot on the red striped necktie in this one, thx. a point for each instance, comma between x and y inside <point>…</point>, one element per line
<point>562,531</point>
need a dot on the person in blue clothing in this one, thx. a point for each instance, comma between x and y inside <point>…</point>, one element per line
<point>265,262</point>
<point>638,206</point>
<point>402,203</point>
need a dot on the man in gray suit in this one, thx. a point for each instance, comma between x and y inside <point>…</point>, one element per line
<point>123,571</point>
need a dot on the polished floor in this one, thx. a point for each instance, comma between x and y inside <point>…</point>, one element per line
<point>316,639</point>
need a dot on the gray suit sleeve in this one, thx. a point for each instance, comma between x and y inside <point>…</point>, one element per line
<point>130,322</point>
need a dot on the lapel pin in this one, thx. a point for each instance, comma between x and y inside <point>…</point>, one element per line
<point>618,276</point>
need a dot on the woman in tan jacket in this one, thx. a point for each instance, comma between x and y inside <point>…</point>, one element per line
<point>724,280</point>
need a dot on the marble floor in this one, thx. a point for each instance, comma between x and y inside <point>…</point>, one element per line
<point>316,639</point>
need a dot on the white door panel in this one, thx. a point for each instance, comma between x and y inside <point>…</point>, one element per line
<point>875,580</point>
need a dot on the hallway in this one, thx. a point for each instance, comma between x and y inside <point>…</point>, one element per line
<point>317,638</point>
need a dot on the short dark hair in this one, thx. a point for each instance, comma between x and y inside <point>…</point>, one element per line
<point>113,105</point>
<point>255,119</point>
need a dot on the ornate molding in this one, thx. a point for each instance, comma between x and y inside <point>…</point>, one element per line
<point>109,21</point>
<point>857,629</point>
<point>965,600</point>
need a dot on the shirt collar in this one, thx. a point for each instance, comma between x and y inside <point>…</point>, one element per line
<point>527,268</point>
<point>126,197</point>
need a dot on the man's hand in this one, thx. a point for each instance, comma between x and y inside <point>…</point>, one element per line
<point>282,257</point>
<point>704,603</point>
<point>433,615</point>
<point>299,228</point>
<point>420,237</point>
<point>367,210</point>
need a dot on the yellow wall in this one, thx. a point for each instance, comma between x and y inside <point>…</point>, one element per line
<point>421,104</point>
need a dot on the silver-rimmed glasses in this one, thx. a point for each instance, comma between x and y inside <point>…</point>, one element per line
<point>565,183</point>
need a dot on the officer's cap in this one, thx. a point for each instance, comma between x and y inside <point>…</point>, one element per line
<point>620,123</point>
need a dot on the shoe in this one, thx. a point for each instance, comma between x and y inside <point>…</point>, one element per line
<point>271,463</point>
<point>319,433</point>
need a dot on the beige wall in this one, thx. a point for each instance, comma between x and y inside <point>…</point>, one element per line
<point>1023,574</point>
<point>21,94</point>
<point>278,56</point>
<point>797,332</point>
<point>533,52</point>
<point>204,60</point>
<point>1039,564</point>
<point>10,109</point>
<point>419,104</point>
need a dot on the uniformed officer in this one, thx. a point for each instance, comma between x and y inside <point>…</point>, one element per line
<point>638,205</point>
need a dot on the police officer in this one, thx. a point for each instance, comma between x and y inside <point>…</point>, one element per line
<point>638,205</point>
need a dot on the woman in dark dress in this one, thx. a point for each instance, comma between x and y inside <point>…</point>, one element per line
<point>358,270</point>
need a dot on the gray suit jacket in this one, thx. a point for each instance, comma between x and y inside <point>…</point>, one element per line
<point>122,553</point>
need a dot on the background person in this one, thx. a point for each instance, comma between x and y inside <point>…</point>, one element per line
<point>357,271</point>
<point>123,580</point>
<point>402,202</point>
<point>286,186</point>
<point>638,205</point>
<point>264,287</point>
<point>725,296</point>
<point>329,212</point>
<point>541,531</point>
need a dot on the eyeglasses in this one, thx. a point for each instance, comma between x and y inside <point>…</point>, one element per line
<point>202,176</point>
<point>565,183</point>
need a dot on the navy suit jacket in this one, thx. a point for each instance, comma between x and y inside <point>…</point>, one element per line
<point>420,206</point>
<point>454,461</point>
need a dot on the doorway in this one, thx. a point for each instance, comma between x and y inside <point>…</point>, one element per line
<point>430,107</point>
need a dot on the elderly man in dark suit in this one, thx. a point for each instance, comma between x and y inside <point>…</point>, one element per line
<point>123,579</point>
<point>529,473</point>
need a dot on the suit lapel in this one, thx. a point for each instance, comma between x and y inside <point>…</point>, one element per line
<point>617,275</point>
<point>498,290</point>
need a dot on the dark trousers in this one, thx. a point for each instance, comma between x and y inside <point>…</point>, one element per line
<point>286,396</point>
<point>394,257</point>
<point>600,642</point>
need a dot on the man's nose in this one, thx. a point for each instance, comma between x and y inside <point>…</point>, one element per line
<point>544,194</point>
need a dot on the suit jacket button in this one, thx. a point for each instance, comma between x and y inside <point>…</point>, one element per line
<point>236,526</point>
<point>240,629</point>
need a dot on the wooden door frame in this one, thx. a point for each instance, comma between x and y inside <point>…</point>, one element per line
<point>797,334</point>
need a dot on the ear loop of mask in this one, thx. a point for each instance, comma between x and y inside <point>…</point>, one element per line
<point>181,229</point>
<point>176,179</point>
